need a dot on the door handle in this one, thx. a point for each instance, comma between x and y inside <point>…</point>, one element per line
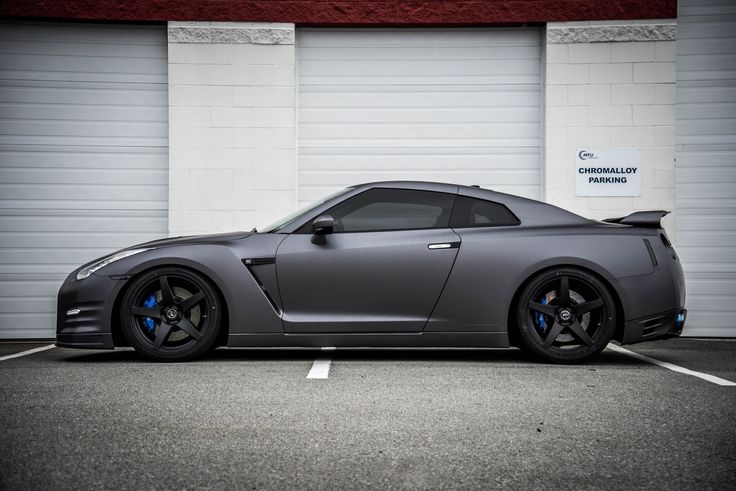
<point>444,245</point>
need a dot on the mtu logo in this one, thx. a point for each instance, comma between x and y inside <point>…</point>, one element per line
<point>585,155</point>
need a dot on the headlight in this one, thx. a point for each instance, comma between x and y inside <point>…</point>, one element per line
<point>91,268</point>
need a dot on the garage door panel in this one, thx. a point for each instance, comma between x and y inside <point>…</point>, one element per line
<point>459,85</point>
<point>84,176</point>
<point>707,61</point>
<point>706,221</point>
<point>85,93</point>
<point>62,48</point>
<point>66,240</point>
<point>710,286</point>
<point>701,92</point>
<point>422,38</point>
<point>419,104</point>
<point>414,68</point>
<point>705,176</point>
<point>108,114</point>
<point>715,238</point>
<point>406,114</point>
<point>375,99</point>
<point>498,177</point>
<point>348,53</point>
<point>419,162</point>
<point>708,203</point>
<point>92,192</point>
<point>102,128</point>
<point>445,143</point>
<point>711,128</point>
<point>20,76</point>
<point>83,156</point>
<point>43,255</point>
<point>712,156</point>
<point>11,290</point>
<point>435,80</point>
<point>27,305</point>
<point>51,156</point>
<point>93,34</point>
<point>84,226</point>
<point>90,206</point>
<point>20,325</point>
<point>56,65</point>
<point>706,110</point>
<point>434,131</point>
<point>120,141</point>
<point>711,190</point>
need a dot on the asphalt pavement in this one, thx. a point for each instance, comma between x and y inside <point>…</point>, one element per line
<point>383,419</point>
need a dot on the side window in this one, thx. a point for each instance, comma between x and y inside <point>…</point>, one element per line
<point>472,212</point>
<point>393,209</point>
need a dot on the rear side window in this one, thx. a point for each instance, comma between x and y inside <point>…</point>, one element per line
<point>472,212</point>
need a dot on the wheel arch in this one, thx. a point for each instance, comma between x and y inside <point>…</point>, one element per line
<point>603,276</point>
<point>115,326</point>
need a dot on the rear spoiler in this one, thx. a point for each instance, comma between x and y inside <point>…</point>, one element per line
<point>649,219</point>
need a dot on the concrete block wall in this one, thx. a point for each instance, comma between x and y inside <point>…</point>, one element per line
<point>610,85</point>
<point>232,155</point>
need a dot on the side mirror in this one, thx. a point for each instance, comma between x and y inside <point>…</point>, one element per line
<point>323,225</point>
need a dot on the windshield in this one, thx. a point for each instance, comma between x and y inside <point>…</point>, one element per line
<point>301,212</point>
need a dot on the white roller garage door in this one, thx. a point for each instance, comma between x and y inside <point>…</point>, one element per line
<point>455,105</point>
<point>83,156</point>
<point>706,163</point>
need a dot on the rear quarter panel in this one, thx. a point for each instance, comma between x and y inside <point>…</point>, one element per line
<point>494,263</point>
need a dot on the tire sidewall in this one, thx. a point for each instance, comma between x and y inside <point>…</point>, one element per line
<point>531,339</point>
<point>131,330</point>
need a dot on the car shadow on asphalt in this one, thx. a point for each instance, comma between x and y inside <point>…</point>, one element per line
<point>511,356</point>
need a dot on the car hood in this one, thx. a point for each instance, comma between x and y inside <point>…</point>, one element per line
<point>195,239</point>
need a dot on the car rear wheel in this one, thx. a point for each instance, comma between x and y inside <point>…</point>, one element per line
<point>171,314</point>
<point>566,315</point>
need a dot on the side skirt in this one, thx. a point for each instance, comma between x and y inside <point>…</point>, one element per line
<point>378,340</point>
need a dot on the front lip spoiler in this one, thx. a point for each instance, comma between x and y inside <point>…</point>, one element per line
<point>87,340</point>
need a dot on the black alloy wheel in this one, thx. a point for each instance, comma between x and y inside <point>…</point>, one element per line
<point>566,315</point>
<point>171,314</point>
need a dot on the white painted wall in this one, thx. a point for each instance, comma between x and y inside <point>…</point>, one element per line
<point>606,87</point>
<point>232,152</point>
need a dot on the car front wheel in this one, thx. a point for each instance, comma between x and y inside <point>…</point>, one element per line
<point>170,314</point>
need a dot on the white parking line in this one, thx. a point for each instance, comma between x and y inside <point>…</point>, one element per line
<point>27,352</point>
<point>321,366</point>
<point>673,367</point>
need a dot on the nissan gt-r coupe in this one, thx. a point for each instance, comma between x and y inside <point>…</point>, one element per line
<point>388,264</point>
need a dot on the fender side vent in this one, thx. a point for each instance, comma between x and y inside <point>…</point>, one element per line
<point>249,265</point>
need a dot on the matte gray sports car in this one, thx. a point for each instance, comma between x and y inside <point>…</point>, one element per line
<point>388,264</point>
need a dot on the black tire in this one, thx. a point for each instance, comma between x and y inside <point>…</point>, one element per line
<point>171,314</point>
<point>566,315</point>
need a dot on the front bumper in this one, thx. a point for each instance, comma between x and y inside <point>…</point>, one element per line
<point>84,312</point>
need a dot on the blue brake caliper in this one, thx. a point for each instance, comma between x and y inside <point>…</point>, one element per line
<point>540,316</point>
<point>147,321</point>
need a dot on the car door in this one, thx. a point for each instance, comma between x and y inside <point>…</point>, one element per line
<point>381,269</point>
